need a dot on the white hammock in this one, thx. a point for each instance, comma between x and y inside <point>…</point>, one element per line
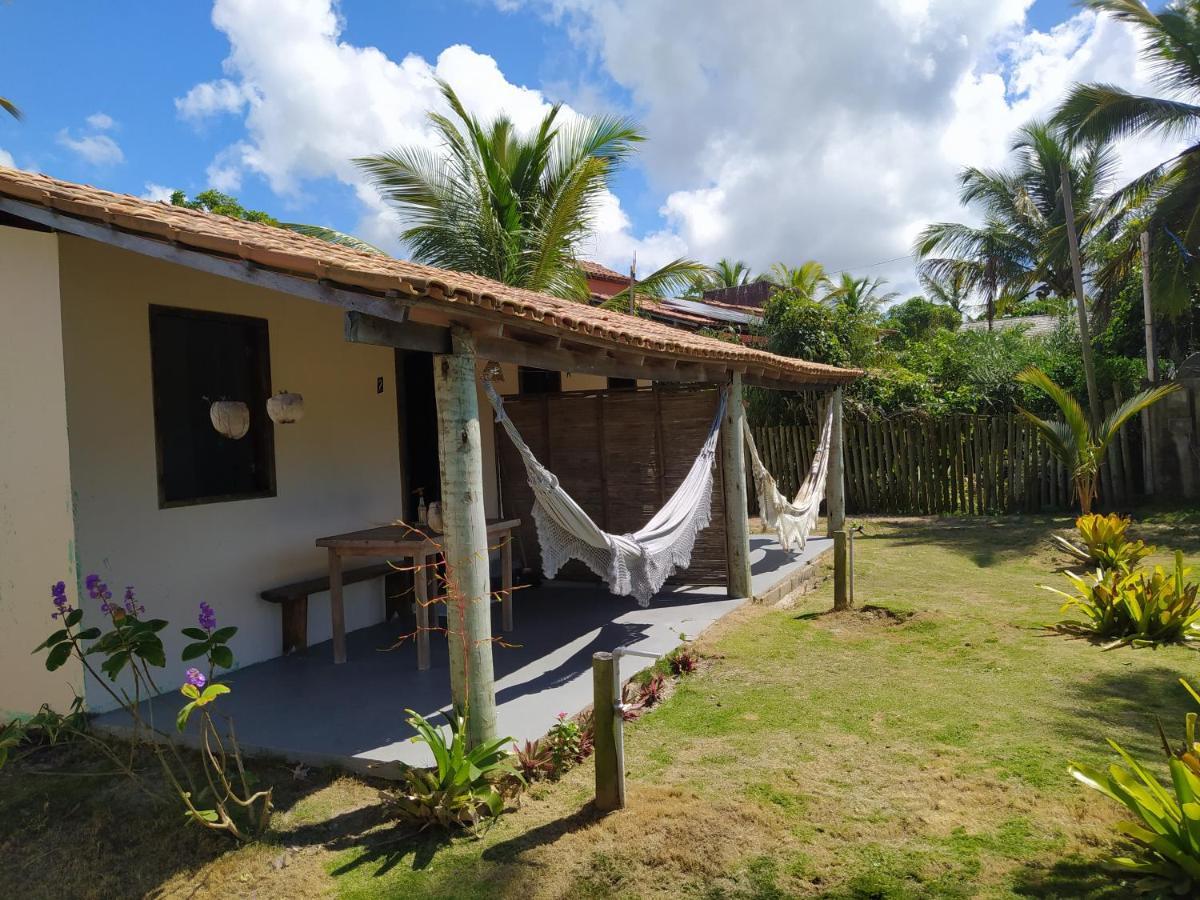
<point>630,564</point>
<point>793,520</point>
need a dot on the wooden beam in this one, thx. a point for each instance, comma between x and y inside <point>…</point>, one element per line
<point>364,329</point>
<point>465,540</point>
<point>733,477</point>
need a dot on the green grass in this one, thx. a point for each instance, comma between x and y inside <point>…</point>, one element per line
<point>839,756</point>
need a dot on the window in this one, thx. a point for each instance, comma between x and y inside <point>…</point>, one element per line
<point>538,381</point>
<point>196,359</point>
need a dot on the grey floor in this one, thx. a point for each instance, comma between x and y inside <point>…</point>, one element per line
<point>304,708</point>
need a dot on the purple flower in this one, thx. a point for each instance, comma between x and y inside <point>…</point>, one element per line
<point>58,592</point>
<point>98,590</point>
<point>131,605</point>
<point>207,618</point>
<point>195,678</point>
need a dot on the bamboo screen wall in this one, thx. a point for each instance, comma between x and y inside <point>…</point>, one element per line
<point>620,454</point>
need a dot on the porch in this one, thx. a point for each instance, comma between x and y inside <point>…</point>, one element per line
<point>305,709</point>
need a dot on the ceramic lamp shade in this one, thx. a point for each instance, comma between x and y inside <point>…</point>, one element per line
<point>231,418</point>
<point>285,408</point>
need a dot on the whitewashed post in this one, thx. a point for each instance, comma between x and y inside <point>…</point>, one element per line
<point>835,485</point>
<point>733,476</point>
<point>469,615</point>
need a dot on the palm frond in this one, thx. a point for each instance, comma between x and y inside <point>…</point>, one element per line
<point>332,236</point>
<point>1073,415</point>
<point>1059,437</point>
<point>671,279</point>
<point>1130,408</point>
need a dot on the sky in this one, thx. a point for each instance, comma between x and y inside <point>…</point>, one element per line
<point>778,130</point>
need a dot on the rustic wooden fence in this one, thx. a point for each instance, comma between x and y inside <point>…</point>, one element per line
<point>952,464</point>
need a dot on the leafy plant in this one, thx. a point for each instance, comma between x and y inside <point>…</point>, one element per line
<point>463,787</point>
<point>1073,440</point>
<point>565,740</point>
<point>1105,543</point>
<point>1167,830</point>
<point>1134,607</point>
<point>652,691</point>
<point>131,647</point>
<point>533,761</point>
<point>683,661</point>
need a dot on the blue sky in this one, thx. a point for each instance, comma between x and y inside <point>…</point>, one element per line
<point>67,61</point>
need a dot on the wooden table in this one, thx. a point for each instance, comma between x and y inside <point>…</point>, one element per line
<point>401,542</point>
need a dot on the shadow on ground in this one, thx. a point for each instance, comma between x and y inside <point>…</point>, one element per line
<point>1072,877</point>
<point>1001,538</point>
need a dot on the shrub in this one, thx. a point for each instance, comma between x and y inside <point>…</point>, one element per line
<point>1134,608</point>
<point>683,661</point>
<point>1167,832</point>
<point>565,740</point>
<point>463,788</point>
<point>1107,546</point>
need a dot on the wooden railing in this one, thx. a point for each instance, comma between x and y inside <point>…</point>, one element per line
<point>952,464</point>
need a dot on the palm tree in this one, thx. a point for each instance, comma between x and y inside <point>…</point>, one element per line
<point>730,273</point>
<point>1022,244</point>
<point>859,296</point>
<point>1104,112</point>
<point>953,290</point>
<point>1073,440</point>
<point>9,107</point>
<point>497,203</point>
<point>677,277</point>
<point>806,280</point>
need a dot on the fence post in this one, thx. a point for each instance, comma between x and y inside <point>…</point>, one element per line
<point>835,484</point>
<point>841,569</point>
<point>610,780</point>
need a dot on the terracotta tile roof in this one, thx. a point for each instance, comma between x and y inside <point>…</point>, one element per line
<point>595,270</point>
<point>295,254</point>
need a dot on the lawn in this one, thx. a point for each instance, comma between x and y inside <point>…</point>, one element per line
<point>918,749</point>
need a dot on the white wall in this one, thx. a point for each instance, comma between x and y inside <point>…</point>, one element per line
<point>336,470</point>
<point>36,529</point>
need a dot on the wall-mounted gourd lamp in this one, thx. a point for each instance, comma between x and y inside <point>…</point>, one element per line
<point>231,418</point>
<point>285,408</point>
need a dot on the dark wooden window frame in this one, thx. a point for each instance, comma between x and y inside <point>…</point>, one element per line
<point>261,331</point>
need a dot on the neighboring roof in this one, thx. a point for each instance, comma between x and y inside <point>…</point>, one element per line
<point>721,312</point>
<point>297,255</point>
<point>595,270</point>
<point>1035,326</point>
<point>756,294</point>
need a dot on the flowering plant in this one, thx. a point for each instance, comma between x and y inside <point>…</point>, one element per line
<point>133,646</point>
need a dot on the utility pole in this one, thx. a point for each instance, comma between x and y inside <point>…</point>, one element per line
<point>1085,338</point>
<point>1151,367</point>
<point>632,282</point>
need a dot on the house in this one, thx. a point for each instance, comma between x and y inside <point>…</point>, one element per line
<point>122,322</point>
<point>1033,326</point>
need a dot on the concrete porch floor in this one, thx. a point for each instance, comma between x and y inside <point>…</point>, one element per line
<point>304,708</point>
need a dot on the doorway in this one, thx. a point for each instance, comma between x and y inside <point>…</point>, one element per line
<point>417,414</point>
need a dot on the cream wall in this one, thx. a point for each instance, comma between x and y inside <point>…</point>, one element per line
<point>36,529</point>
<point>336,470</point>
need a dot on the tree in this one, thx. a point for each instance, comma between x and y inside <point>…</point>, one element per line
<point>227,205</point>
<point>808,279</point>
<point>1073,440</point>
<point>917,318</point>
<point>729,273</point>
<point>859,296</point>
<point>1021,247</point>
<point>953,289</point>
<point>509,206</point>
<point>1170,190</point>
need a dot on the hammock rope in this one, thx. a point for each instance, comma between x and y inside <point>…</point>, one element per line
<point>636,564</point>
<point>792,520</point>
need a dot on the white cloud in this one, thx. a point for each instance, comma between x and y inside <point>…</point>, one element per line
<point>97,149</point>
<point>100,121</point>
<point>781,133</point>
<point>313,102</point>
<point>211,98</point>
<point>157,193</point>
<point>6,159</point>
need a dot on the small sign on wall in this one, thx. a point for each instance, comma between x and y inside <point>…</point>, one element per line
<point>379,385</point>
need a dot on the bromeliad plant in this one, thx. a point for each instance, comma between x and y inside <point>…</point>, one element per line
<point>129,651</point>
<point>1167,830</point>
<point>1073,440</point>
<point>1137,608</point>
<point>1105,543</point>
<point>463,788</point>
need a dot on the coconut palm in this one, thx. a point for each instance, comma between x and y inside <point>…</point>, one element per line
<point>1021,247</point>
<point>513,207</point>
<point>863,297</point>
<point>806,280</point>
<point>677,277</point>
<point>729,273</point>
<point>1104,112</point>
<point>952,289</point>
<point>1073,440</point>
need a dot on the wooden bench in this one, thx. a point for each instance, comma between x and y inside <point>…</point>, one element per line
<point>294,598</point>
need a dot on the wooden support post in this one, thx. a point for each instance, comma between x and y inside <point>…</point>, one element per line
<point>835,483</point>
<point>610,780</point>
<point>506,584</point>
<point>421,592</point>
<point>465,541</point>
<point>733,476</point>
<point>336,607</point>
<point>841,569</point>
